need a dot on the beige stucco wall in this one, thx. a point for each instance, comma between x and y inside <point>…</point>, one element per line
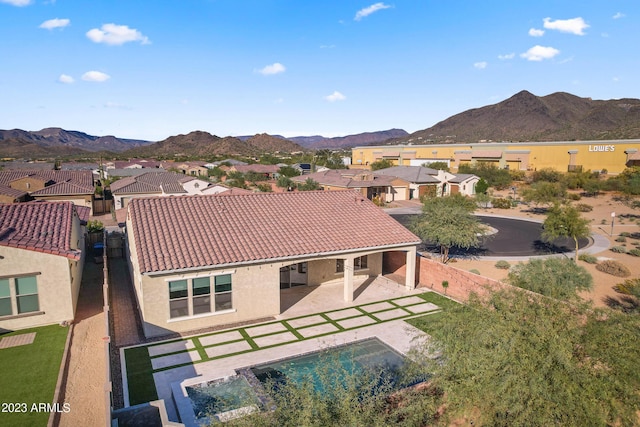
<point>86,200</point>
<point>57,291</point>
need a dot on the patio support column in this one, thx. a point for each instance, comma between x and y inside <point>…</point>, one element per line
<point>410,279</point>
<point>348,279</point>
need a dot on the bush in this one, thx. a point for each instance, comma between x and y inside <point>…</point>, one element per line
<point>621,239</point>
<point>94,226</point>
<point>634,252</point>
<point>614,268</point>
<point>619,249</point>
<point>503,265</point>
<point>575,196</point>
<point>501,203</point>
<point>589,259</point>
<point>583,207</point>
<point>628,287</point>
<point>474,271</point>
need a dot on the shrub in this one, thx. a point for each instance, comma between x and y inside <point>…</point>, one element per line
<point>628,287</point>
<point>503,265</point>
<point>583,207</point>
<point>474,271</point>
<point>621,239</point>
<point>589,259</point>
<point>94,226</point>
<point>501,203</point>
<point>576,196</point>
<point>614,268</point>
<point>625,234</point>
<point>634,252</point>
<point>619,249</point>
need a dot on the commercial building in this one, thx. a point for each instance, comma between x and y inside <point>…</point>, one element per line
<point>612,156</point>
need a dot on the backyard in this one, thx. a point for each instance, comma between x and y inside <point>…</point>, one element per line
<point>29,377</point>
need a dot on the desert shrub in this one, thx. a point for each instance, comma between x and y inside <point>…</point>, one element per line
<point>625,234</point>
<point>619,249</point>
<point>589,259</point>
<point>583,207</point>
<point>503,265</point>
<point>575,196</point>
<point>501,203</point>
<point>474,271</point>
<point>621,239</point>
<point>615,268</point>
<point>628,287</point>
<point>634,252</point>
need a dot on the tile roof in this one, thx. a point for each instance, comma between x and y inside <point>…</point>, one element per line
<point>39,226</point>
<point>176,233</point>
<point>256,168</point>
<point>152,182</point>
<point>11,192</point>
<point>346,178</point>
<point>462,177</point>
<point>416,174</point>
<point>82,179</point>
<point>63,189</point>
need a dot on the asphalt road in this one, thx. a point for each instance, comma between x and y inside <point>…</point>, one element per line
<point>515,237</point>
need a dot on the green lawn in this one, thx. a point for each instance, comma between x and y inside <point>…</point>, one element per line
<point>424,322</point>
<point>28,375</point>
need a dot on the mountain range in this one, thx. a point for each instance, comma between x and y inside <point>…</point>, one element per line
<point>522,117</point>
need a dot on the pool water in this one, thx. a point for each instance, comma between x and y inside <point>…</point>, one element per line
<point>224,399</point>
<point>348,361</point>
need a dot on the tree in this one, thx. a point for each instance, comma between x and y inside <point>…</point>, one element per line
<point>448,222</point>
<point>545,193</point>
<point>495,177</point>
<point>284,182</point>
<point>558,278</point>
<point>309,185</point>
<point>482,186</point>
<point>565,221</point>
<point>437,166</point>
<point>483,199</point>
<point>381,164</point>
<point>515,358</point>
<point>288,171</point>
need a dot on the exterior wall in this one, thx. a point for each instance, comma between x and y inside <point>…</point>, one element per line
<point>81,200</point>
<point>58,279</point>
<point>27,184</point>
<point>195,186</point>
<point>323,271</point>
<point>591,155</point>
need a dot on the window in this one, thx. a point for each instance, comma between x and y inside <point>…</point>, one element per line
<point>359,263</point>
<point>223,292</point>
<point>23,300</point>
<point>190,297</point>
<point>5,298</point>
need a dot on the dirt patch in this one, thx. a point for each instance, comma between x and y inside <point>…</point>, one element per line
<point>625,221</point>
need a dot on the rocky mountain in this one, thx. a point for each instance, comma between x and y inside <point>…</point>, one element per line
<point>54,142</point>
<point>366,138</point>
<point>526,117</point>
<point>202,144</point>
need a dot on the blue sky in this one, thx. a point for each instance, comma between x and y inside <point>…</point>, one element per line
<point>152,69</point>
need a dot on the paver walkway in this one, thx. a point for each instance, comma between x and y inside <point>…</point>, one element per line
<point>126,325</point>
<point>211,346</point>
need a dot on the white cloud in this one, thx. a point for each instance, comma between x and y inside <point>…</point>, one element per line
<point>539,53</point>
<point>275,68</point>
<point>480,65</point>
<point>369,10</point>
<point>113,34</point>
<point>18,3</point>
<point>534,32</point>
<point>95,76</point>
<point>618,15</point>
<point>335,96</point>
<point>507,56</point>
<point>573,26</point>
<point>64,78</point>
<point>55,23</point>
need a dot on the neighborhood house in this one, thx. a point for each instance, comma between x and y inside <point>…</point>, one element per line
<point>41,261</point>
<point>209,260</point>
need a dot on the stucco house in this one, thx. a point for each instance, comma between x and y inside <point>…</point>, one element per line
<point>203,261</point>
<point>155,184</point>
<point>427,181</point>
<point>41,262</point>
<point>52,185</point>
<point>370,185</point>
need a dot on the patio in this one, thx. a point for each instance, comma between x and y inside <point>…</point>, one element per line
<point>313,318</point>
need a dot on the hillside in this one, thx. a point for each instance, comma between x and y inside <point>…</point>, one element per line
<point>57,141</point>
<point>526,117</point>
<point>367,138</point>
<point>203,144</point>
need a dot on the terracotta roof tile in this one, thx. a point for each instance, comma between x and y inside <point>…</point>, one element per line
<point>174,233</point>
<point>345,178</point>
<point>39,226</point>
<point>11,192</point>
